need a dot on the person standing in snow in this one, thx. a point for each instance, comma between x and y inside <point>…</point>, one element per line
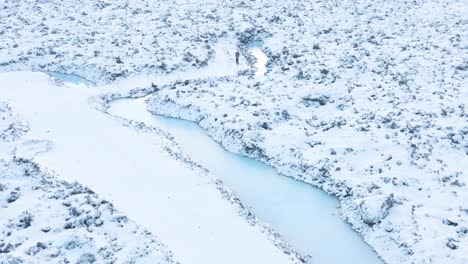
<point>237,57</point>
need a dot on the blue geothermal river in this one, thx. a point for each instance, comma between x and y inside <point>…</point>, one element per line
<point>305,216</point>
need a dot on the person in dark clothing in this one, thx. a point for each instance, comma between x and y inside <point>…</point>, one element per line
<point>237,57</point>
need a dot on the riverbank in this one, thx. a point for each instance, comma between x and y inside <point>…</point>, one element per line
<point>306,217</point>
<point>48,220</point>
<point>137,172</point>
<point>85,227</point>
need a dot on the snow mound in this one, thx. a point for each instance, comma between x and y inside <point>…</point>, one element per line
<point>47,220</point>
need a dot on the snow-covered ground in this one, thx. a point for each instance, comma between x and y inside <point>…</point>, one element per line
<point>44,219</point>
<point>47,220</point>
<point>364,99</point>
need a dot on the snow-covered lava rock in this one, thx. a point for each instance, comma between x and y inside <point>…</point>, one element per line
<point>48,220</point>
<point>364,99</point>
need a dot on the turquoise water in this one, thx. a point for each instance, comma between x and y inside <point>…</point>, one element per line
<point>254,44</point>
<point>72,78</point>
<point>305,216</point>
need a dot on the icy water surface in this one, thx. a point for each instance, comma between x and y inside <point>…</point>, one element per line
<point>71,78</point>
<point>305,216</point>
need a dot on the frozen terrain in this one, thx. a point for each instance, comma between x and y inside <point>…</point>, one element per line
<point>44,219</point>
<point>363,99</point>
